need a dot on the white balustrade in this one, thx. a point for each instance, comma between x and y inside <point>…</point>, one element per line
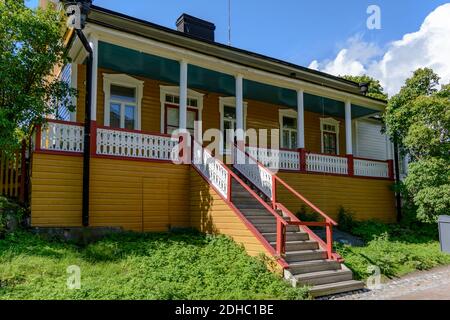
<point>367,168</point>
<point>276,159</point>
<point>260,176</point>
<point>326,164</point>
<point>212,169</point>
<point>56,136</point>
<point>136,145</point>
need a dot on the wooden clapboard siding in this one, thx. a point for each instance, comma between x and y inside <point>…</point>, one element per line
<point>366,198</point>
<point>140,196</point>
<point>211,214</point>
<point>56,190</point>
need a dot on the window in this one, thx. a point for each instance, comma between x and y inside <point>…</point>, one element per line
<point>123,96</point>
<point>288,128</point>
<point>330,136</point>
<point>170,111</point>
<point>173,119</point>
<point>227,109</point>
<point>67,75</point>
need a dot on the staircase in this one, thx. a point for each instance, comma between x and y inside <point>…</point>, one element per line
<point>252,189</point>
<point>308,264</point>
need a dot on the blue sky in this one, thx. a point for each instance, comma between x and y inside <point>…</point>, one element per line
<point>298,31</point>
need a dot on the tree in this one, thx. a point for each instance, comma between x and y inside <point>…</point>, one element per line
<point>375,88</point>
<point>31,47</point>
<point>419,118</point>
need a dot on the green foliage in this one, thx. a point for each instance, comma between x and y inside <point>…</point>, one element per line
<point>307,216</point>
<point>396,249</point>
<point>376,90</point>
<point>138,266</point>
<point>428,182</point>
<point>8,210</point>
<point>345,221</point>
<point>31,46</point>
<point>419,117</point>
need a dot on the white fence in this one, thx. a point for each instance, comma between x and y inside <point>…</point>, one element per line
<point>136,145</point>
<point>257,174</point>
<point>326,164</point>
<point>57,136</point>
<point>367,168</point>
<point>276,159</point>
<point>212,169</point>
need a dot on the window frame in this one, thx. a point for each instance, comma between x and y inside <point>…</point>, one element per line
<point>122,80</point>
<point>287,113</point>
<point>175,91</point>
<point>330,122</point>
<point>228,102</point>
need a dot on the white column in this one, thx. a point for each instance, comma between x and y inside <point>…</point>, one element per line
<point>94,45</point>
<point>348,127</point>
<point>183,95</point>
<point>239,108</point>
<point>300,119</point>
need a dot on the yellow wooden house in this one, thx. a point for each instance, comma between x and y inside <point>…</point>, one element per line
<point>149,82</point>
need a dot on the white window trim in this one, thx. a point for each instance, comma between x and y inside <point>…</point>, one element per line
<point>175,91</point>
<point>229,102</point>
<point>124,81</point>
<point>286,113</point>
<point>332,122</point>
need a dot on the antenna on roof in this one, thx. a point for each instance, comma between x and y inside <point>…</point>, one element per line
<point>229,22</point>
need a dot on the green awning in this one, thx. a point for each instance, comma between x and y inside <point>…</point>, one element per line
<point>136,63</point>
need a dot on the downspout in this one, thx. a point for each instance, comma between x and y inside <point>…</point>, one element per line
<point>87,129</point>
<point>398,197</point>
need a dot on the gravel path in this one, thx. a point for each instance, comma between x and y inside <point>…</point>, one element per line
<point>427,285</point>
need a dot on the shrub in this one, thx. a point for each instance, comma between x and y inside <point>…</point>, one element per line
<point>306,216</point>
<point>346,221</point>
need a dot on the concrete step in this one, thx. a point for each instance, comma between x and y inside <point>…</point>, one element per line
<point>324,277</point>
<point>299,245</point>
<point>270,228</point>
<point>305,255</point>
<point>313,266</point>
<point>335,288</point>
<point>290,236</point>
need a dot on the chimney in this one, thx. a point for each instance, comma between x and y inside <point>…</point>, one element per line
<point>196,27</point>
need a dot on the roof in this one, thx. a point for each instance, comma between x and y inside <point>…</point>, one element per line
<point>121,22</point>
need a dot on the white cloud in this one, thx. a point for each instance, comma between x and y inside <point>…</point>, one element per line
<point>428,47</point>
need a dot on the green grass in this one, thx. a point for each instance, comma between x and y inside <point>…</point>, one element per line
<point>395,249</point>
<point>137,266</point>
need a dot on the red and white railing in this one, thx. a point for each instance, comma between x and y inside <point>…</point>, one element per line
<point>326,163</point>
<point>259,175</point>
<point>212,169</point>
<point>371,168</point>
<point>132,144</point>
<point>220,177</point>
<point>276,159</point>
<point>254,171</point>
<point>60,136</point>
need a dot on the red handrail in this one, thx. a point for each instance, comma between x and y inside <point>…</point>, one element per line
<point>329,222</point>
<point>328,246</point>
<point>281,223</point>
